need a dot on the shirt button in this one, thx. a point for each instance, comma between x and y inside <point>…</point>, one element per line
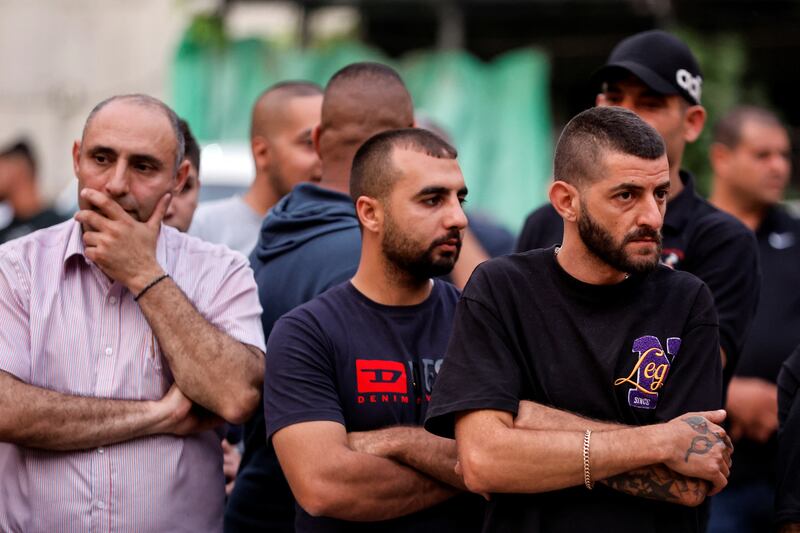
<point>100,450</point>
<point>109,351</point>
<point>101,505</point>
<point>112,300</point>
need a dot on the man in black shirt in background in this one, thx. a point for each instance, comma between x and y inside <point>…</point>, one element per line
<point>787,499</point>
<point>656,76</point>
<point>351,371</point>
<point>595,328</point>
<point>750,157</point>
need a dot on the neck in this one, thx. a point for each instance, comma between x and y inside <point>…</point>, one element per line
<point>336,174</point>
<point>749,213</point>
<point>581,264</point>
<point>382,282</point>
<point>260,197</point>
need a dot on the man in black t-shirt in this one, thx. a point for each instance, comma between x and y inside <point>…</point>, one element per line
<point>595,329</point>
<point>787,501</point>
<point>656,76</point>
<point>750,156</point>
<point>19,188</point>
<point>350,373</point>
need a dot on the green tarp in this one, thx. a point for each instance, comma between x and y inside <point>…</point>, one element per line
<point>497,113</point>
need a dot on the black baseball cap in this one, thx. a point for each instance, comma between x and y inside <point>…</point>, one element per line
<point>661,60</point>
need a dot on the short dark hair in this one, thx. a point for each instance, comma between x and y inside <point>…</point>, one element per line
<point>287,89</point>
<point>150,101</point>
<point>728,130</point>
<point>597,130</point>
<point>192,149</point>
<point>364,69</point>
<point>22,149</point>
<point>373,172</point>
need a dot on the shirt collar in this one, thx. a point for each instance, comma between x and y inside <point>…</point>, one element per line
<point>680,208</point>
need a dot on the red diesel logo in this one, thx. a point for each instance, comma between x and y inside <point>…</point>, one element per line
<point>381,376</point>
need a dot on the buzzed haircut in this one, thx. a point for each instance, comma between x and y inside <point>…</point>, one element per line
<point>728,130</point>
<point>373,172</point>
<point>594,132</point>
<point>148,101</point>
<point>375,80</point>
<point>21,149</point>
<point>192,149</point>
<point>286,89</point>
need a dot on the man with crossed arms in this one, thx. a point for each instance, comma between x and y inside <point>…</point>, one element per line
<point>123,344</point>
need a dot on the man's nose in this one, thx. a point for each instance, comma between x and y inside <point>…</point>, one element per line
<point>118,182</point>
<point>650,214</point>
<point>456,218</point>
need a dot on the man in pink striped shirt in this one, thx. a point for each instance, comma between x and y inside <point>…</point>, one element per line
<point>123,344</point>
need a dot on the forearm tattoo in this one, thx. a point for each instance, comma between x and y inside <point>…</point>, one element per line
<point>705,440</point>
<point>658,482</point>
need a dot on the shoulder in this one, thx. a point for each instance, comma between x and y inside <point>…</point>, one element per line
<point>194,252</point>
<point>508,272</point>
<point>711,221</point>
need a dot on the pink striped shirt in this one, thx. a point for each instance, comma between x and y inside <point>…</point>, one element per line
<point>64,326</point>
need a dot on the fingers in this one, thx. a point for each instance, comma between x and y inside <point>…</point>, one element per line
<point>719,482</point>
<point>717,417</point>
<point>158,213</point>
<point>103,203</point>
<point>92,220</point>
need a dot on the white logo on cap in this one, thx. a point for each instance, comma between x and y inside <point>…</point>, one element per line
<point>690,84</point>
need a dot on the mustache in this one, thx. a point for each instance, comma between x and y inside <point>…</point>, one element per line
<point>645,232</point>
<point>453,234</point>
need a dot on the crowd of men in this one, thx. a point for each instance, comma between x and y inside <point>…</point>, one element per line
<point>302,357</point>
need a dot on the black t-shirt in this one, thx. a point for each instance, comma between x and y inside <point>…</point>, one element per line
<point>344,358</point>
<point>787,498</point>
<point>697,238</point>
<point>22,226</point>
<point>527,330</point>
<point>775,332</point>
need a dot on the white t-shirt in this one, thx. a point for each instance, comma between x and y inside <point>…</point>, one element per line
<point>230,222</point>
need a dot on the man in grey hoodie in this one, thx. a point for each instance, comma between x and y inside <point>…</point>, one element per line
<point>309,242</point>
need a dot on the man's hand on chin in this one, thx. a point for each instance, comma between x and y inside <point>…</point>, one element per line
<point>121,246</point>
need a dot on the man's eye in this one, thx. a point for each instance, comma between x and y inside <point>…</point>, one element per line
<point>662,194</point>
<point>625,195</point>
<point>462,200</point>
<point>432,201</point>
<point>101,159</point>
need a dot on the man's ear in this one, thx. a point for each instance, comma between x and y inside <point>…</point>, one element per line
<point>370,214</point>
<point>181,177</point>
<point>565,200</point>
<point>693,122</point>
<point>76,156</point>
<point>261,153</point>
<point>719,155</point>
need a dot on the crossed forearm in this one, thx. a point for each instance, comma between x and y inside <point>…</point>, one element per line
<point>40,418</point>
<point>655,482</point>
<point>414,447</point>
<point>210,367</point>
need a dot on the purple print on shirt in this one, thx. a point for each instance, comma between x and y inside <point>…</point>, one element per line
<point>650,371</point>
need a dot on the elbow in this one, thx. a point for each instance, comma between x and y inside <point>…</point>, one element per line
<point>241,406</point>
<point>476,469</point>
<point>317,499</point>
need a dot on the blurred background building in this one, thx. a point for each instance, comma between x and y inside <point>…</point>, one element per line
<point>501,76</point>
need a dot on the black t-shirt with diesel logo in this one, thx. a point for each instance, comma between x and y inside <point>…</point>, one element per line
<point>344,358</point>
<point>639,352</point>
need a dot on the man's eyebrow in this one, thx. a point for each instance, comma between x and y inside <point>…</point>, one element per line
<point>99,149</point>
<point>440,190</point>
